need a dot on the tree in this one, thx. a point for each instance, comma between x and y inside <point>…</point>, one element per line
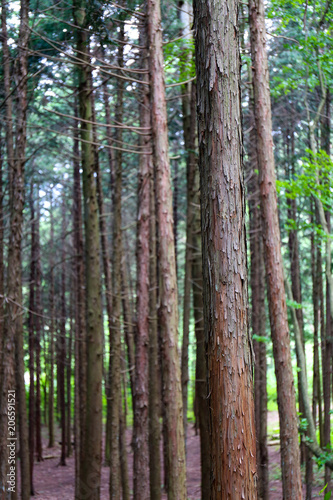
<point>290,462</point>
<point>140,430</point>
<point>233,473</point>
<point>90,468</point>
<point>176,464</point>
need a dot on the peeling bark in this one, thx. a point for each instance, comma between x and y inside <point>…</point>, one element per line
<point>232,426</point>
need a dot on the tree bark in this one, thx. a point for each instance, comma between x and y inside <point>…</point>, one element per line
<point>115,348</point>
<point>51,329</point>
<point>90,468</point>
<point>201,392</point>
<point>291,476</point>
<point>140,431</point>
<point>233,474</point>
<point>154,405</point>
<point>38,325</point>
<point>80,316</point>
<point>31,327</point>
<point>62,337</point>
<point>169,300</point>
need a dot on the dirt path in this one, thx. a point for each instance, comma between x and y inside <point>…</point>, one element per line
<point>53,482</point>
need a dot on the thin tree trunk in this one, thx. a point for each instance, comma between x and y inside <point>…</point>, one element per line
<point>128,321</point>
<point>90,469</point>
<point>69,380</point>
<point>115,348</point>
<point>258,286</point>
<point>2,266</point>
<point>123,454</point>
<point>154,405</point>
<point>38,325</point>
<point>291,475</point>
<point>316,394</point>
<point>62,339</point>
<point>140,430</point>
<point>233,474</point>
<point>31,326</point>
<point>80,316</point>
<point>51,330</point>
<point>326,146</point>
<point>176,463</point>
<point>201,392</point>
<point>14,288</point>
<point>189,130</point>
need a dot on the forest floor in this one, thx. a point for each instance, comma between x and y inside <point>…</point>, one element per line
<point>53,482</point>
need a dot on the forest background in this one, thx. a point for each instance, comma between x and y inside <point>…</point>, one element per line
<point>96,50</point>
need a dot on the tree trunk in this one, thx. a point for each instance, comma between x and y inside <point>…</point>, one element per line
<point>38,325</point>
<point>326,146</point>
<point>154,405</point>
<point>51,330</point>
<point>14,325</point>
<point>258,328</point>
<point>31,326</point>
<point>62,338</point>
<point>189,130</point>
<point>291,477</point>
<point>90,468</point>
<point>80,316</point>
<point>115,348</point>
<point>197,287</point>
<point>169,300</point>
<point>69,379</point>
<point>233,474</point>
<point>140,430</point>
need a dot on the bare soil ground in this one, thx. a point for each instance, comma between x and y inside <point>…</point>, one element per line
<point>53,482</point>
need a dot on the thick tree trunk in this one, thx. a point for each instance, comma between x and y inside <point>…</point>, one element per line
<point>291,477</point>
<point>90,468</point>
<point>169,298</point>
<point>140,431</point>
<point>233,474</point>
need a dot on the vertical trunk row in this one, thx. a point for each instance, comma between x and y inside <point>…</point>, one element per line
<point>290,464</point>
<point>90,468</point>
<point>176,463</point>
<point>233,473</point>
<point>140,437</point>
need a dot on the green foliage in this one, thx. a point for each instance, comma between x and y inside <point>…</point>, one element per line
<point>179,60</point>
